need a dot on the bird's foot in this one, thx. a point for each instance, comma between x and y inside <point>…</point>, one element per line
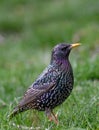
<point>55,118</point>
<point>51,116</point>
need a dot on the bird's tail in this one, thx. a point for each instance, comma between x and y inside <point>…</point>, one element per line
<point>15,112</point>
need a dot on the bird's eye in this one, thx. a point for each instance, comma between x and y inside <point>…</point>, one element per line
<point>63,49</point>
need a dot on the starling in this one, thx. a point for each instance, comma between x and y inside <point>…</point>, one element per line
<point>52,87</point>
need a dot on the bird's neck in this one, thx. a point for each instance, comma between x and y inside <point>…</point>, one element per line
<point>62,63</point>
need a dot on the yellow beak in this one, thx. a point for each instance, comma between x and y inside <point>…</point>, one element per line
<point>75,45</point>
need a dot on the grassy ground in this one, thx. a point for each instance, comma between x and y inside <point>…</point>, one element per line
<point>28,32</point>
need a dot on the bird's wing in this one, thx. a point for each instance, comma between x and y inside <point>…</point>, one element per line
<point>43,84</point>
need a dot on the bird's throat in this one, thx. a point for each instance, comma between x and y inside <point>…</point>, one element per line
<point>63,63</point>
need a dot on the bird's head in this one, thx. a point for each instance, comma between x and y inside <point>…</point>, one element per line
<point>61,51</point>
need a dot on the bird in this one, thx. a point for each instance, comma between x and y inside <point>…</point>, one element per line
<point>52,87</point>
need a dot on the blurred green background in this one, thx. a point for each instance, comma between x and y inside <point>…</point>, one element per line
<point>29,29</point>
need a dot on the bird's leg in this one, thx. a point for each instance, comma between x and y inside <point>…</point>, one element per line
<point>48,114</point>
<point>55,119</point>
<point>51,116</point>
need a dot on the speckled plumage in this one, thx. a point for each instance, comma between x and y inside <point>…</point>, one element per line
<point>53,86</point>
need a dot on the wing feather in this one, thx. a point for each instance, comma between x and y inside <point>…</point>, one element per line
<point>32,94</point>
<point>43,84</point>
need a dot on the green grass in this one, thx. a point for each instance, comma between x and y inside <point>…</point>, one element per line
<point>28,32</point>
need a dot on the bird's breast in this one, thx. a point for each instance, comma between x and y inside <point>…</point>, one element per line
<point>65,84</point>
